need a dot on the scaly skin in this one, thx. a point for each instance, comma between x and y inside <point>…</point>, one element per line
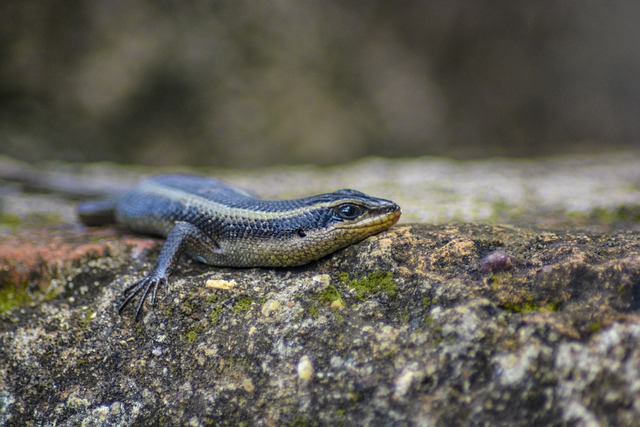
<point>224,226</point>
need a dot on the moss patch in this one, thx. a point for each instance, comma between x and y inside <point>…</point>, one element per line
<point>529,305</point>
<point>10,297</point>
<point>367,286</point>
<point>243,304</point>
<point>192,335</point>
<point>607,216</point>
<point>10,220</point>
<point>313,311</point>
<point>86,318</point>
<point>215,315</point>
<point>329,295</point>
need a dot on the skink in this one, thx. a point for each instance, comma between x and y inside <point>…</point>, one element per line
<point>221,225</point>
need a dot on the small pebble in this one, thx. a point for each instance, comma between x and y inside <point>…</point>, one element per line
<point>305,368</point>
<point>495,261</point>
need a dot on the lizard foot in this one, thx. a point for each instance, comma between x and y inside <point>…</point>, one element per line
<point>145,285</point>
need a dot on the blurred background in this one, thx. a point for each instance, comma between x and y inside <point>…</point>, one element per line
<point>248,83</point>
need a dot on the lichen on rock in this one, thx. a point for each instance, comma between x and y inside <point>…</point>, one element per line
<point>445,324</point>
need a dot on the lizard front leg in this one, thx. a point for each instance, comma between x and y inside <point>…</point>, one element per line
<point>184,236</point>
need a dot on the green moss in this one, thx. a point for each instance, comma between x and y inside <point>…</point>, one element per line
<point>594,327</point>
<point>329,295</point>
<point>10,220</point>
<point>32,219</point>
<point>187,306</point>
<point>577,215</point>
<point>371,284</point>
<point>192,335</point>
<point>52,292</point>
<point>243,304</point>
<point>499,210</point>
<point>313,311</point>
<point>435,329</point>
<point>11,297</point>
<point>552,306</point>
<point>604,215</point>
<point>499,281</point>
<point>528,306</point>
<point>86,319</point>
<point>300,421</point>
<point>45,218</point>
<point>427,303</point>
<point>524,307</point>
<point>616,214</point>
<point>215,315</point>
<point>628,213</point>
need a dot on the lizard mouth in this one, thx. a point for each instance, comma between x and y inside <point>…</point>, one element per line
<point>376,220</point>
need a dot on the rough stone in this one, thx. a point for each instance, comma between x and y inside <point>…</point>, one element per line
<point>426,324</point>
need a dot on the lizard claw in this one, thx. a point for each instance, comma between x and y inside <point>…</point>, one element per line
<point>144,285</point>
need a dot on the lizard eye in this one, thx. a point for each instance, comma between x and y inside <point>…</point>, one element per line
<point>349,211</point>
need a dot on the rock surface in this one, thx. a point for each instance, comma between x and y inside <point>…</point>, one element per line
<point>427,324</point>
